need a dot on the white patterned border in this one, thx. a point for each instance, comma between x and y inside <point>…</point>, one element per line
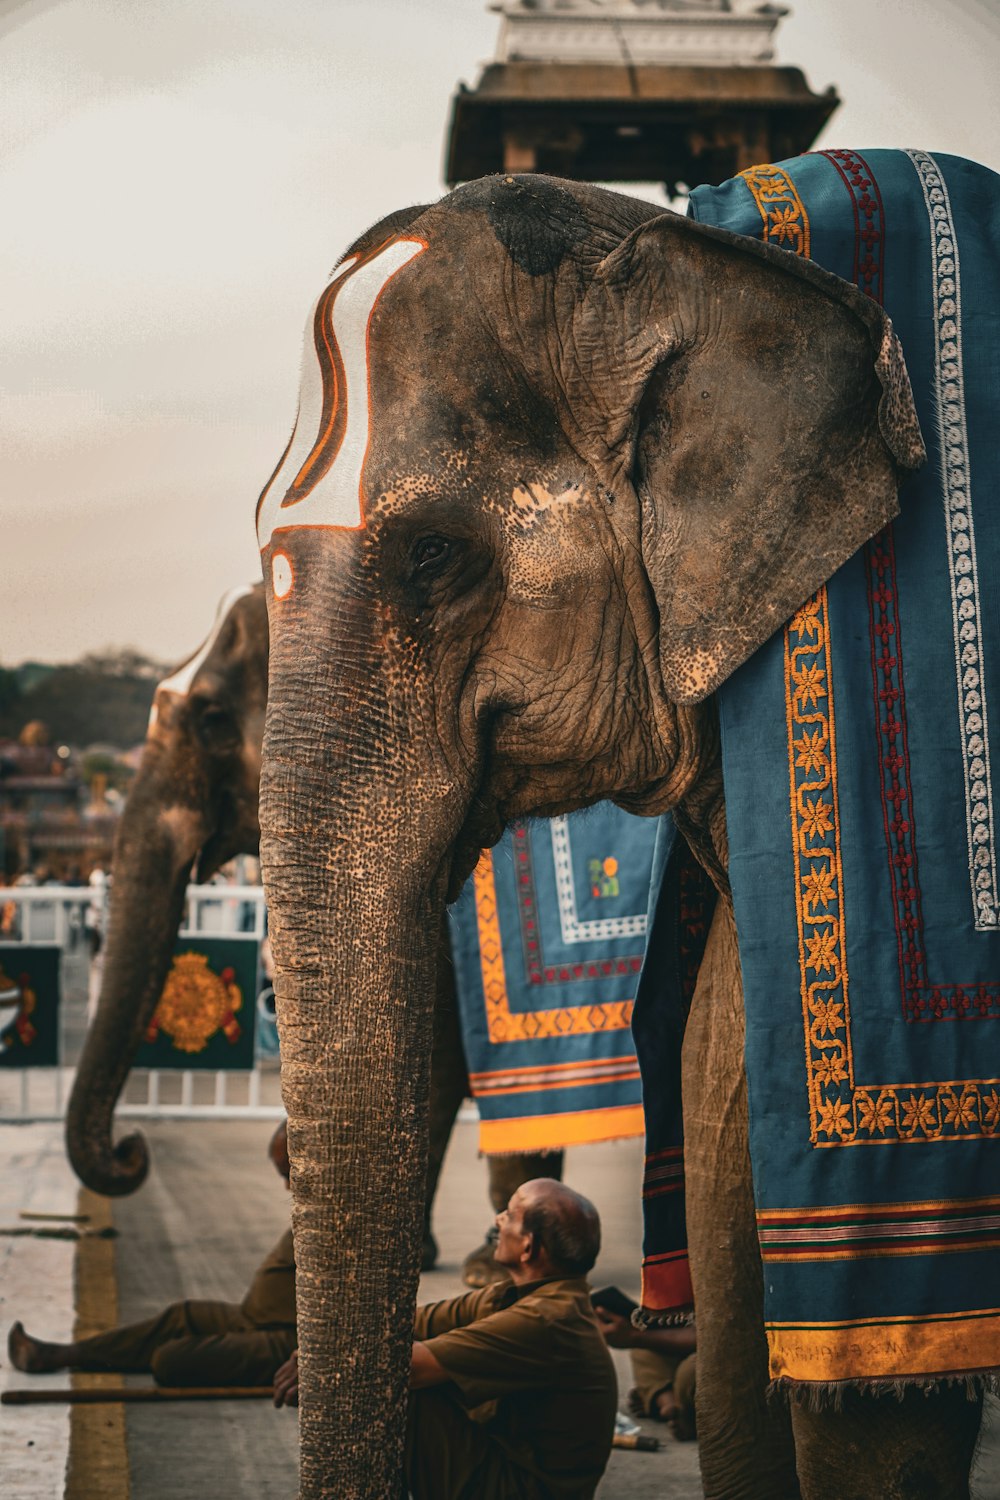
<point>573,930</point>
<point>961,537</point>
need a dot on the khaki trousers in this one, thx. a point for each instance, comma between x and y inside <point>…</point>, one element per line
<point>653,1372</point>
<point>450,1457</point>
<point>191,1343</point>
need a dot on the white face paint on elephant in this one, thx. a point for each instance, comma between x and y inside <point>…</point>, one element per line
<point>318,481</point>
<point>179,682</point>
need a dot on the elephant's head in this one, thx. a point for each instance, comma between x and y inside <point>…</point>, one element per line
<point>562,462</point>
<point>194,798</point>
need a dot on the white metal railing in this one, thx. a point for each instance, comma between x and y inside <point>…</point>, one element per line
<point>34,1094</point>
<point>44,913</point>
<point>49,913</point>
<point>222,909</point>
<point>41,1093</point>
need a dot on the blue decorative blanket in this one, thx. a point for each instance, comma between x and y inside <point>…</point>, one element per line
<point>863,843</point>
<point>548,938</point>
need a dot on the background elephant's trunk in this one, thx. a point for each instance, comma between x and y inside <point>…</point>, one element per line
<point>353,843</point>
<point>153,856</point>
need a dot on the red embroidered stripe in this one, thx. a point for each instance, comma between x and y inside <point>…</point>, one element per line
<point>886,1229</point>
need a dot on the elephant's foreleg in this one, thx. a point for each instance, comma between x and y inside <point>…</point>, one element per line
<point>881,1448</point>
<point>449,1086</point>
<point>745,1441</point>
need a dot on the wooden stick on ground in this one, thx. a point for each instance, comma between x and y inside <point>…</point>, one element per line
<point>637,1441</point>
<point>56,1218</point>
<point>127,1394</point>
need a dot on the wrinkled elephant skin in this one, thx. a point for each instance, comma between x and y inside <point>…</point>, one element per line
<point>562,462</point>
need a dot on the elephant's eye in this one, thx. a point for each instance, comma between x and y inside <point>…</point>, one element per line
<point>217,729</point>
<point>431,553</point>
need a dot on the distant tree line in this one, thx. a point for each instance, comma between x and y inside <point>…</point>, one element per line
<point>104,698</point>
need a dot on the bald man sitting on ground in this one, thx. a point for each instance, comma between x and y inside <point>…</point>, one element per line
<point>512,1389</point>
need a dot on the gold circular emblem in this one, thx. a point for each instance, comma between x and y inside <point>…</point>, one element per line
<point>196,1003</point>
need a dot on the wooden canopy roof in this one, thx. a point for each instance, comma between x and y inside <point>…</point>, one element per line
<point>611,122</point>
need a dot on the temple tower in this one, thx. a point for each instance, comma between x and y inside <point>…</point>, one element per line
<point>674,91</point>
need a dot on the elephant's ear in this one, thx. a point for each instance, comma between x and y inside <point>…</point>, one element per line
<point>762,412</point>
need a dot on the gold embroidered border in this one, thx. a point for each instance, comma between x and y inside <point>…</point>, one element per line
<point>505,1025</point>
<point>887,1347</point>
<point>781,209</point>
<point>841,1112</point>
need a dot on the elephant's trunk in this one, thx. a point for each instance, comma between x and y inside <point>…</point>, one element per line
<point>354,841</point>
<point>153,856</point>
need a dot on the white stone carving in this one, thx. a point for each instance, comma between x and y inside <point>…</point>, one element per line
<point>708,33</point>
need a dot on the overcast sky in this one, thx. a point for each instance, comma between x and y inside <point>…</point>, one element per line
<point>177,177</point>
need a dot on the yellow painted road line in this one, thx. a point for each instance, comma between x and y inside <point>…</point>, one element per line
<point>98,1454</point>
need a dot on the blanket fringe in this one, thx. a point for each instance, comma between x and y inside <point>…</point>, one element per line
<point>645,1317</point>
<point>539,1151</point>
<point>829,1395</point>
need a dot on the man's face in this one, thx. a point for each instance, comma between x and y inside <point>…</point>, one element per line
<point>512,1240</point>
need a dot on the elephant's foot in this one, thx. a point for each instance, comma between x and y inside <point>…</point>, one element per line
<point>919,1447</point>
<point>428,1252</point>
<point>479,1267</point>
<point>745,1445</point>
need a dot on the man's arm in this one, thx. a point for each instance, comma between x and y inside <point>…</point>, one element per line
<point>432,1318</point>
<point>425,1369</point>
<point>286,1382</point>
<point>621,1334</point>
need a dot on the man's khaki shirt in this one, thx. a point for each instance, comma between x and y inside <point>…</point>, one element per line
<point>270,1302</point>
<point>533,1364</point>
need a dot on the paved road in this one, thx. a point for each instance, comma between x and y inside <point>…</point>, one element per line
<point>36,1282</point>
<point>210,1210</point>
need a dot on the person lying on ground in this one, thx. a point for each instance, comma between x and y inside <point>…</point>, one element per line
<point>192,1343</point>
<point>663,1362</point>
<point>512,1389</point>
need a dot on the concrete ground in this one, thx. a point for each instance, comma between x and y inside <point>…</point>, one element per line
<point>36,1281</point>
<point>210,1210</point>
<point>196,1229</point>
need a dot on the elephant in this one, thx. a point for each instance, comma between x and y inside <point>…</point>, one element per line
<point>194,805</point>
<point>563,461</point>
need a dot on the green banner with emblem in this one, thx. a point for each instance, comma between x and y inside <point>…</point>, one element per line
<point>206,1014</point>
<point>30,992</point>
